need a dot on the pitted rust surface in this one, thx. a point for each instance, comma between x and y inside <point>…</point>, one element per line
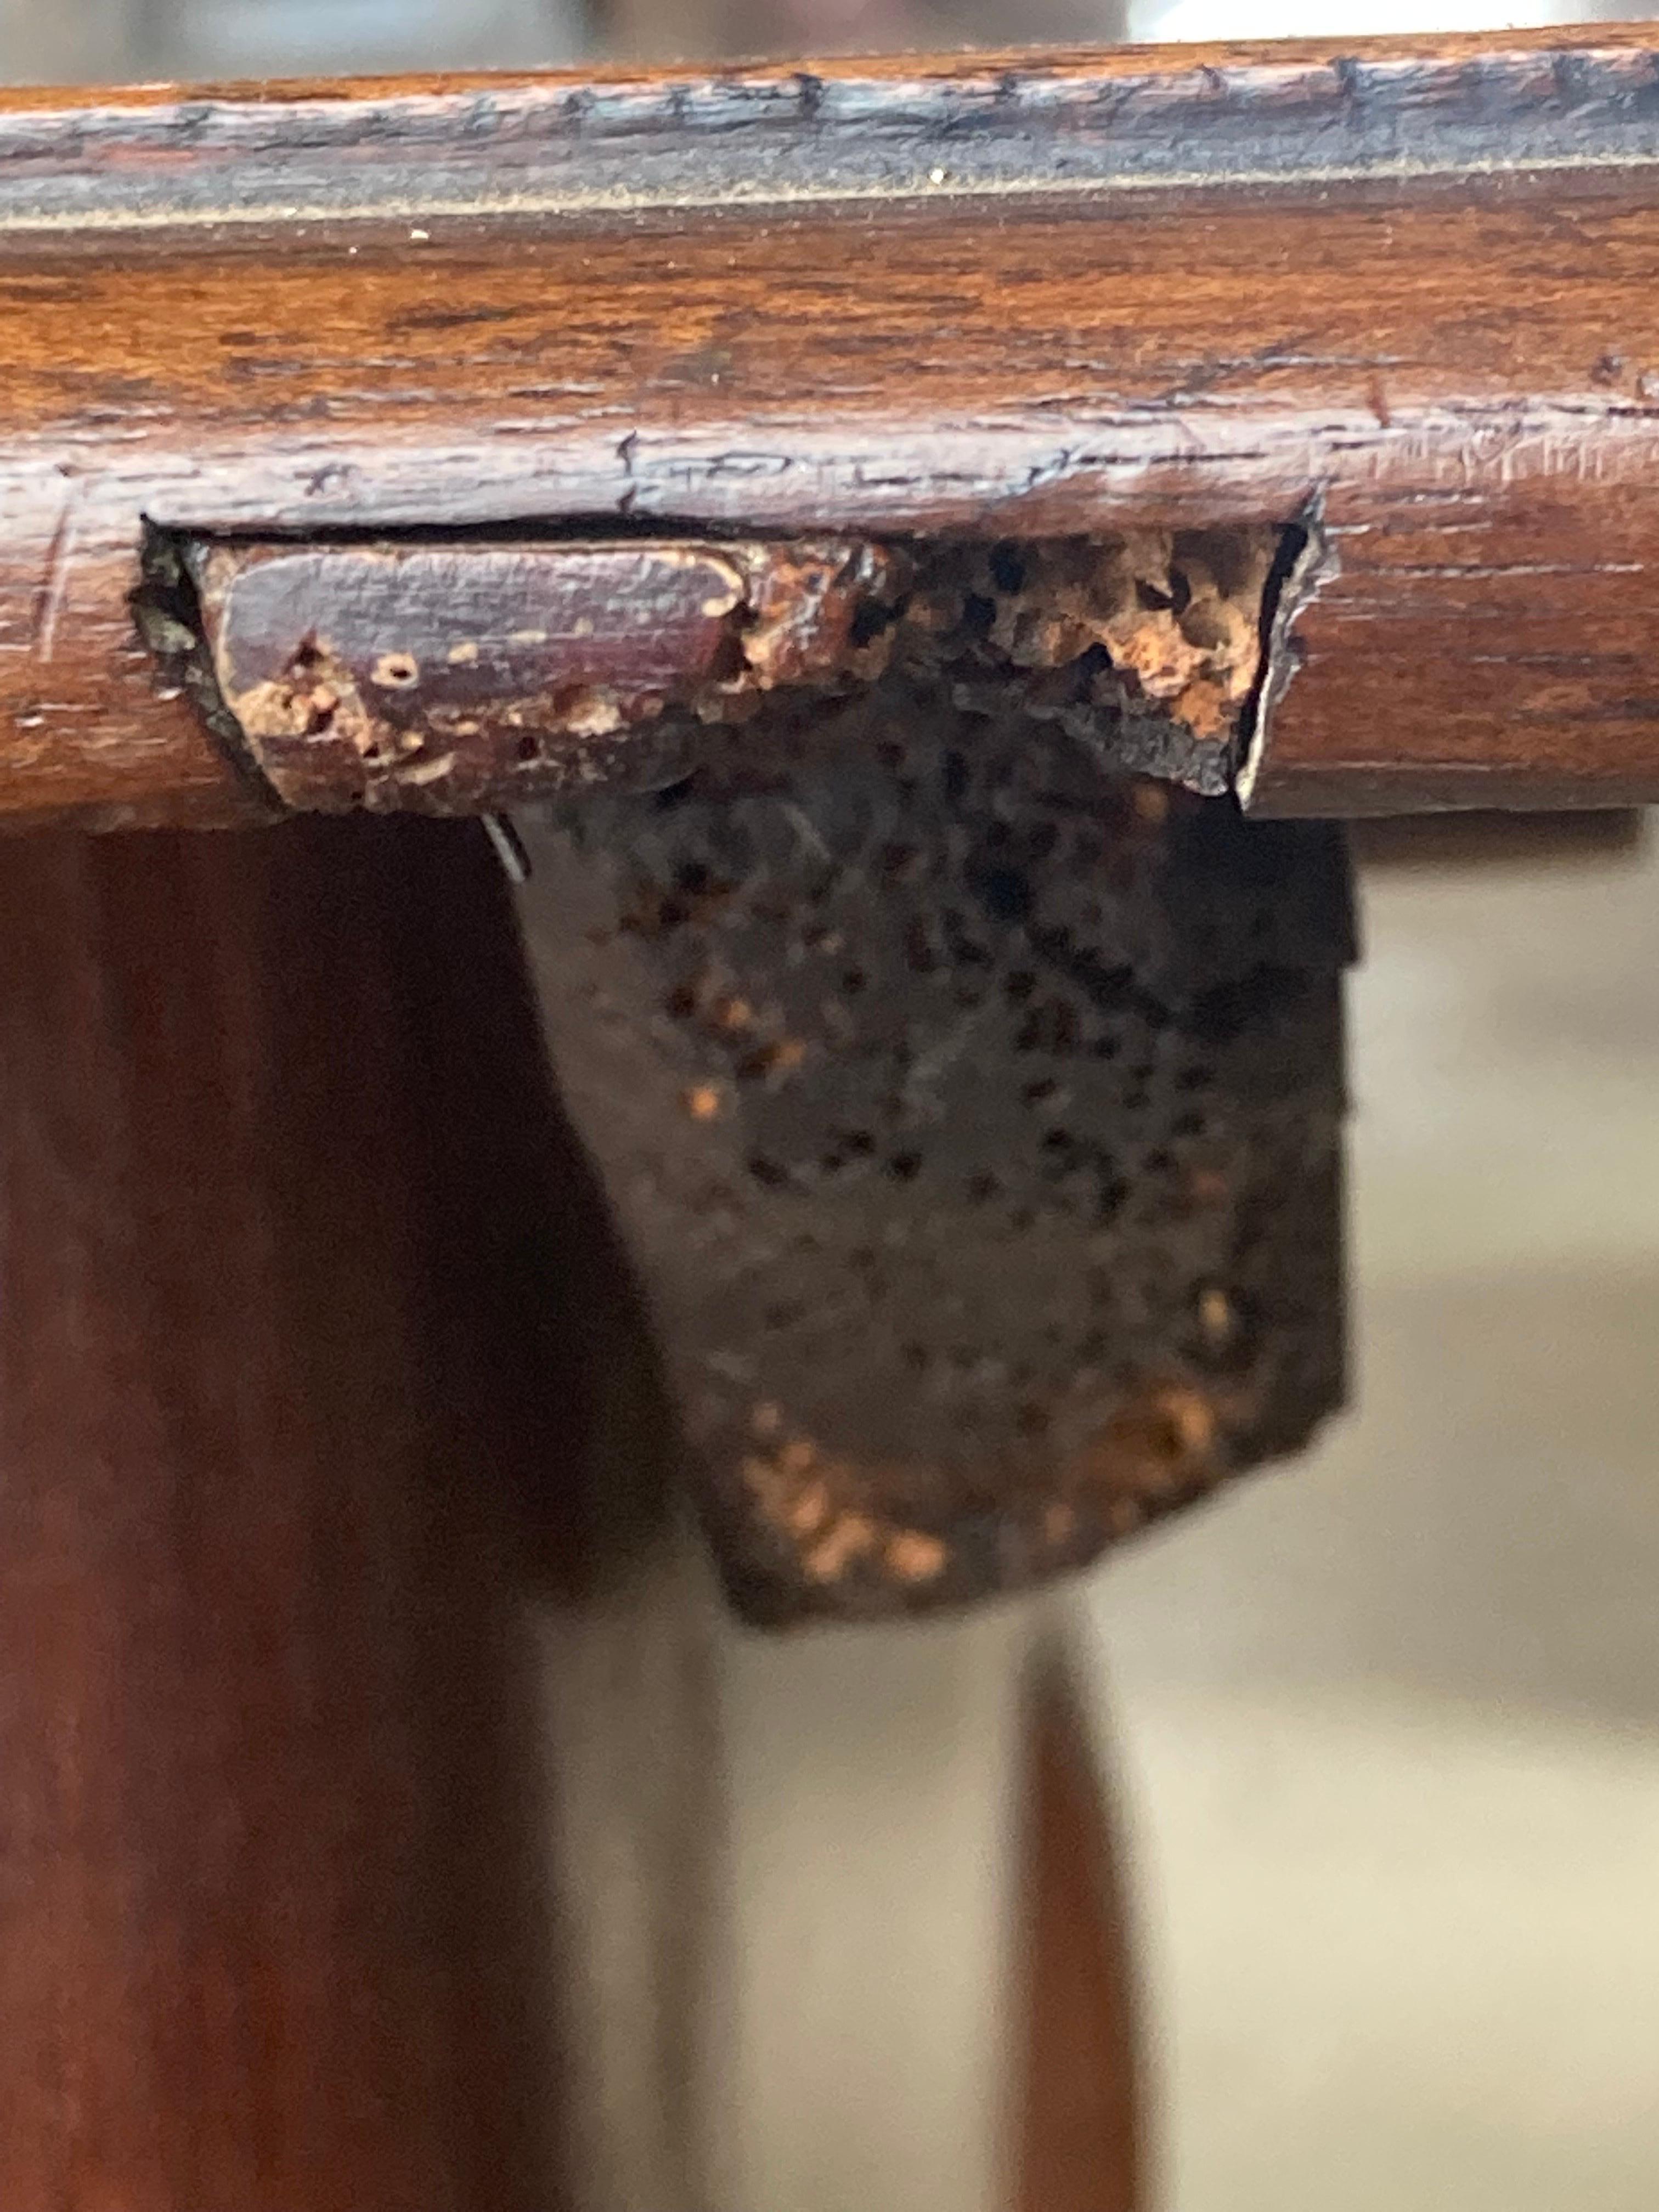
<point>973,1114</point>
<point>442,676</point>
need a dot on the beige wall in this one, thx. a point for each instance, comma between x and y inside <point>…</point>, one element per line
<point>67,41</point>
<point>70,41</point>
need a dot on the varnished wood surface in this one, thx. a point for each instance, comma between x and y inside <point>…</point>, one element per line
<point>271,1404</point>
<point>1080,2145</point>
<point>1403,293</point>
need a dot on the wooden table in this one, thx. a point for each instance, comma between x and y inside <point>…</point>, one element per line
<point>292,1226</point>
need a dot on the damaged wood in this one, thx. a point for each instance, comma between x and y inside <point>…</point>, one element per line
<point>973,1114</point>
<point>1399,292</point>
<point>442,677</point>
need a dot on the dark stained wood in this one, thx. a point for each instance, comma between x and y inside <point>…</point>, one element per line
<point>438,678</point>
<point>1079,2145</point>
<point>1403,293</point>
<point>270,1398</point>
<point>902,127</point>
<point>1467,650</point>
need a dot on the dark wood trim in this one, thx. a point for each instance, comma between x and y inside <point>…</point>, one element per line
<point>482,147</point>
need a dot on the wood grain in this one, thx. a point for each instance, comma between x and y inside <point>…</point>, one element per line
<point>270,1398</point>
<point>1080,2116</point>
<point>1401,293</point>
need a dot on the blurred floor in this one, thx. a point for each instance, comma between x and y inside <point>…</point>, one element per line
<point>1389,1722</point>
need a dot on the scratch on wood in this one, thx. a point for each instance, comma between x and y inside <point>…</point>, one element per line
<point>54,581</point>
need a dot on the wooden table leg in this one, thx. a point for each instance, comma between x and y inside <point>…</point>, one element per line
<point>269,1930</point>
<point>1079,2143</point>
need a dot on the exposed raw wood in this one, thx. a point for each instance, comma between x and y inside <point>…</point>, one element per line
<point>1403,293</point>
<point>434,678</point>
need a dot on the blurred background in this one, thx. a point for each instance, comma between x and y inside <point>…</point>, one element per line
<point>1383,1724</point>
<point>1388,1721</point>
<point>65,40</point>
<point>1383,1727</point>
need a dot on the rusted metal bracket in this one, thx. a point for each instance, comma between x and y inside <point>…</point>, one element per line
<point>970,1100</point>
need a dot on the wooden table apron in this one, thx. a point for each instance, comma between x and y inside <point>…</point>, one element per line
<point>1402,292</point>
